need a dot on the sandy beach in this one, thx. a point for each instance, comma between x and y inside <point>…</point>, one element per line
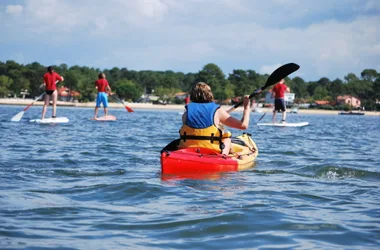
<point>150,106</point>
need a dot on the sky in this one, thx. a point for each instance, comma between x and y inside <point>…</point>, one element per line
<point>327,38</point>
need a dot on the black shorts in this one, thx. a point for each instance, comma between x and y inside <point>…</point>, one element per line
<point>279,105</point>
<point>49,92</point>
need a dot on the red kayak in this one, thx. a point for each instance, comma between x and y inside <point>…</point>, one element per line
<point>203,160</point>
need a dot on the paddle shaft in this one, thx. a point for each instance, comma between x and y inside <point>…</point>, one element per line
<point>261,118</point>
<point>26,108</point>
<point>120,101</point>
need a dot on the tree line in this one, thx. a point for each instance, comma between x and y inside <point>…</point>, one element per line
<point>130,84</point>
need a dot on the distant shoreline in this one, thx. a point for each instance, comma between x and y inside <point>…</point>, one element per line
<point>150,106</point>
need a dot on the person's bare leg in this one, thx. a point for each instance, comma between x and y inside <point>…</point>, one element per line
<point>284,116</point>
<point>274,116</point>
<point>54,97</point>
<point>106,111</point>
<point>227,146</point>
<point>96,112</point>
<point>46,103</point>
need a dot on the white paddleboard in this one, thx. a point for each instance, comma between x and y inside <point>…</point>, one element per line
<point>105,118</point>
<point>297,124</point>
<point>51,120</point>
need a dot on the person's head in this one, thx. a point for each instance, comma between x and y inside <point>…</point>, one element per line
<point>102,76</point>
<point>281,81</point>
<point>201,93</point>
<point>50,69</point>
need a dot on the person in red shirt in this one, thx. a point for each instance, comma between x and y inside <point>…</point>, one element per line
<point>103,88</point>
<point>278,93</point>
<point>50,80</point>
<point>187,99</point>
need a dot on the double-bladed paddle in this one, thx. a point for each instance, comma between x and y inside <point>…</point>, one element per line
<point>274,78</point>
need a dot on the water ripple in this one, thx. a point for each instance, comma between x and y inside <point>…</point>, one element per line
<point>90,185</point>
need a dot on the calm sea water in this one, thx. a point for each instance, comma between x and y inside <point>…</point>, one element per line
<point>92,185</point>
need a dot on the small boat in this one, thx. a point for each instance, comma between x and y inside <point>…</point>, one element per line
<point>351,113</point>
<point>203,160</point>
<point>294,111</point>
<point>257,110</point>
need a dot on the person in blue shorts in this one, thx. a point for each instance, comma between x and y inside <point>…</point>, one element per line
<point>103,88</point>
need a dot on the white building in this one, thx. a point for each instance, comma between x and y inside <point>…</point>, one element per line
<point>289,98</point>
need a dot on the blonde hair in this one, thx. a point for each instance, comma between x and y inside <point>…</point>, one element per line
<point>201,93</point>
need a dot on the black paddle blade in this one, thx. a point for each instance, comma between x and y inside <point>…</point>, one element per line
<point>276,76</point>
<point>281,73</point>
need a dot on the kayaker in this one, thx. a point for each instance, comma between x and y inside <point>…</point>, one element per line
<point>203,118</point>
<point>103,88</point>
<point>278,93</point>
<point>50,79</point>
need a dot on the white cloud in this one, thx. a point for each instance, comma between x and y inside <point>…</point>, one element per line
<point>152,8</point>
<point>268,69</point>
<point>13,9</point>
<point>372,5</point>
<point>186,34</point>
<point>19,57</point>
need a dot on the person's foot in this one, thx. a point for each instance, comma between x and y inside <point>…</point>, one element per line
<point>53,116</point>
<point>283,121</point>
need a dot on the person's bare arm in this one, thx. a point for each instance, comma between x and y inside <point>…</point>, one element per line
<point>184,117</point>
<point>109,89</point>
<point>231,121</point>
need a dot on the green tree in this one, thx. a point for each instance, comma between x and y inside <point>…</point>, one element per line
<point>229,90</point>
<point>166,93</point>
<point>239,78</point>
<point>128,89</point>
<point>320,93</point>
<point>19,82</point>
<point>311,86</point>
<point>369,75</point>
<point>189,80</point>
<point>71,79</point>
<point>212,75</point>
<point>351,77</point>
<point>336,88</point>
<point>5,83</point>
<point>324,82</point>
<point>299,88</point>
<point>215,78</point>
<point>376,88</point>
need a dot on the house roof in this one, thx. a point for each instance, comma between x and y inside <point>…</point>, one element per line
<point>64,91</point>
<point>345,97</point>
<point>321,102</point>
<point>181,93</point>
